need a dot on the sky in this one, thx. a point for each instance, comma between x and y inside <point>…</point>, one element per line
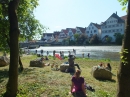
<point>62,14</point>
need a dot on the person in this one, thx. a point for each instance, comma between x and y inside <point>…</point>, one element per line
<point>83,55</point>
<point>46,58</point>
<point>28,52</point>
<point>41,52</point>
<point>69,53</point>
<point>108,67</point>
<point>77,86</point>
<point>47,53</point>
<point>71,61</point>
<point>100,65</point>
<point>36,51</point>
<point>88,55</point>
<point>74,51</point>
<point>42,58</point>
<point>54,54</point>
<point>62,54</point>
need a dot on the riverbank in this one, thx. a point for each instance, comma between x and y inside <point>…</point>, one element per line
<point>96,52</point>
<point>40,82</point>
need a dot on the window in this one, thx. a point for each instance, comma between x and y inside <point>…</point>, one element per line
<point>120,24</point>
<point>105,26</point>
<point>113,30</point>
<point>95,31</point>
<point>87,31</point>
<point>117,30</point>
<point>109,30</point>
<point>113,25</point>
<point>109,26</point>
<point>117,25</point>
<point>92,27</point>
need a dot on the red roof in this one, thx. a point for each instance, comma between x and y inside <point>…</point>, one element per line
<point>124,17</point>
<point>82,29</point>
<point>64,30</point>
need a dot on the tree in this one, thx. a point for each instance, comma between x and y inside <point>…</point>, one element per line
<point>12,85</point>
<point>9,34</point>
<point>118,38</point>
<point>94,39</point>
<point>123,75</point>
<point>28,25</point>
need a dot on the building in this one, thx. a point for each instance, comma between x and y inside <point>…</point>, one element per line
<point>93,29</point>
<point>114,24</point>
<point>48,37</point>
<point>80,30</point>
<point>71,32</point>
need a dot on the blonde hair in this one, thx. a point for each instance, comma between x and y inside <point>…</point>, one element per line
<point>77,73</point>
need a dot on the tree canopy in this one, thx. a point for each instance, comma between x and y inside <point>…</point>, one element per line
<point>30,28</point>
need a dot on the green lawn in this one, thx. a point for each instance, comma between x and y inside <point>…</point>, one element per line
<point>43,82</point>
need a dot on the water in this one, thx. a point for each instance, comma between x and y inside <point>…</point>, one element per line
<point>96,52</point>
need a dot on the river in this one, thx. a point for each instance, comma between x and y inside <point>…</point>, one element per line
<point>96,52</point>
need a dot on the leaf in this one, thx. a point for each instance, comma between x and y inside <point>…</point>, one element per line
<point>123,8</point>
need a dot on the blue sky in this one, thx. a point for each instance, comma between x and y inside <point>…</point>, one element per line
<point>62,14</point>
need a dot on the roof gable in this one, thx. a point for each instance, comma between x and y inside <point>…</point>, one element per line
<point>81,29</point>
<point>115,16</point>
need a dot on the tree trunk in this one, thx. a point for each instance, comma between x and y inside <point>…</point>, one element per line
<point>123,89</point>
<point>20,62</point>
<point>12,85</point>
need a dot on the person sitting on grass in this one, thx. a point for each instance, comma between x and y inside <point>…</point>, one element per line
<point>100,65</point>
<point>77,86</point>
<point>46,58</point>
<point>42,58</point>
<point>108,67</point>
<point>71,61</point>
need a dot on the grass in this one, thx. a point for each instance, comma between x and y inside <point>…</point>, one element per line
<point>43,82</point>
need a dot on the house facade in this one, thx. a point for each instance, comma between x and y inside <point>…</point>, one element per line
<point>48,37</point>
<point>71,32</point>
<point>114,24</point>
<point>80,30</point>
<point>93,29</point>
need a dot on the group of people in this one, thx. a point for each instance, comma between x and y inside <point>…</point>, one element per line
<point>44,58</point>
<point>47,52</point>
<point>77,86</point>
<point>62,54</point>
<point>107,66</point>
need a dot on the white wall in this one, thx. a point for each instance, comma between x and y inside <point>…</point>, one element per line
<point>92,30</point>
<point>112,26</point>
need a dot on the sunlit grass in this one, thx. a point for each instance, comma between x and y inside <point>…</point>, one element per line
<point>43,82</point>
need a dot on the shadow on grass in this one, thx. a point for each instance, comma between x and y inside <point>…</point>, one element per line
<point>3,74</point>
<point>27,71</point>
<point>112,80</point>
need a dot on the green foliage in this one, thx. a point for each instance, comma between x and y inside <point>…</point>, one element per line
<point>29,26</point>
<point>123,3</point>
<point>123,57</point>
<point>118,38</point>
<point>94,39</point>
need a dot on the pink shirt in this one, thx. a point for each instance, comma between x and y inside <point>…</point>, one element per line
<point>77,83</point>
